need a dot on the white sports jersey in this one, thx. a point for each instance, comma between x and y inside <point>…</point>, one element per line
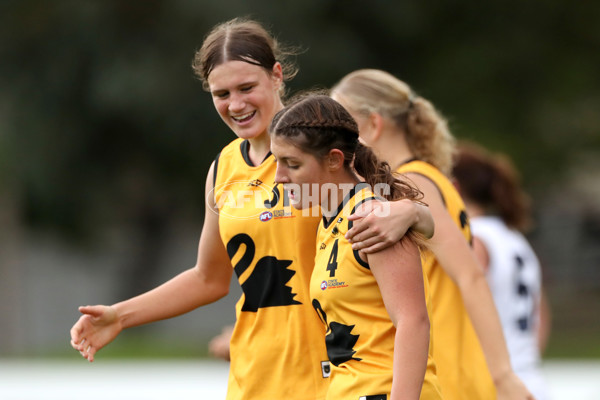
<point>514,277</point>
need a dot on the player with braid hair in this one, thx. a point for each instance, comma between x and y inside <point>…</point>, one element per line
<point>372,305</point>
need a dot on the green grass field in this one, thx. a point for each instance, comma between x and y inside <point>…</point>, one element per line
<point>563,344</point>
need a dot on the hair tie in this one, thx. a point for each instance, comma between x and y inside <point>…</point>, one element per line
<point>411,101</point>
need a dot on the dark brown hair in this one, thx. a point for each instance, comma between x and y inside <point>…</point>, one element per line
<point>316,124</point>
<point>492,182</point>
<point>241,39</point>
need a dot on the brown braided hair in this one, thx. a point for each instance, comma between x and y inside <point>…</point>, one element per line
<point>316,124</point>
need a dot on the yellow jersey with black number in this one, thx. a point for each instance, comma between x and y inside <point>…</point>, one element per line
<point>461,365</point>
<point>277,349</point>
<point>360,334</point>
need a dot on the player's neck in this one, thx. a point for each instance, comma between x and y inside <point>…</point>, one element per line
<point>394,149</point>
<point>331,200</point>
<point>259,147</point>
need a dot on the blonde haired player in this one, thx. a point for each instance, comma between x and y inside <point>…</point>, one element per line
<point>406,131</point>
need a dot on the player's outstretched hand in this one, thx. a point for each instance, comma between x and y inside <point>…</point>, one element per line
<point>96,328</point>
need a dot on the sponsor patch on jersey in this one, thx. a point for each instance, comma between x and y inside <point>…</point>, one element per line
<point>265,216</point>
<point>282,214</point>
<point>333,284</point>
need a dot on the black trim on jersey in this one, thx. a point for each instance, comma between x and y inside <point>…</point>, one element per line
<point>215,170</point>
<point>351,223</point>
<point>245,149</point>
<point>351,193</point>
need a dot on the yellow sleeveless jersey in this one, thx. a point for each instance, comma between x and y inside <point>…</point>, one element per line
<point>277,349</point>
<point>461,365</point>
<point>360,334</point>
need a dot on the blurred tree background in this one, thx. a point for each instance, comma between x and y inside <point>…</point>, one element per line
<point>106,136</point>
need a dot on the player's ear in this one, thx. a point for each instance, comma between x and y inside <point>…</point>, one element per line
<point>335,159</point>
<point>376,125</point>
<point>277,74</point>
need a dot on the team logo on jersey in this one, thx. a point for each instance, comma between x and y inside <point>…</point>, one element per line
<point>322,246</point>
<point>336,231</point>
<point>255,182</point>
<point>231,197</point>
<point>266,216</point>
<point>323,285</point>
<point>260,292</point>
<point>325,369</point>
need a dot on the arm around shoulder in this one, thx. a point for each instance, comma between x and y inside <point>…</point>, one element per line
<point>379,224</point>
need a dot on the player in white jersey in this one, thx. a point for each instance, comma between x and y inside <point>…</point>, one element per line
<point>498,213</point>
